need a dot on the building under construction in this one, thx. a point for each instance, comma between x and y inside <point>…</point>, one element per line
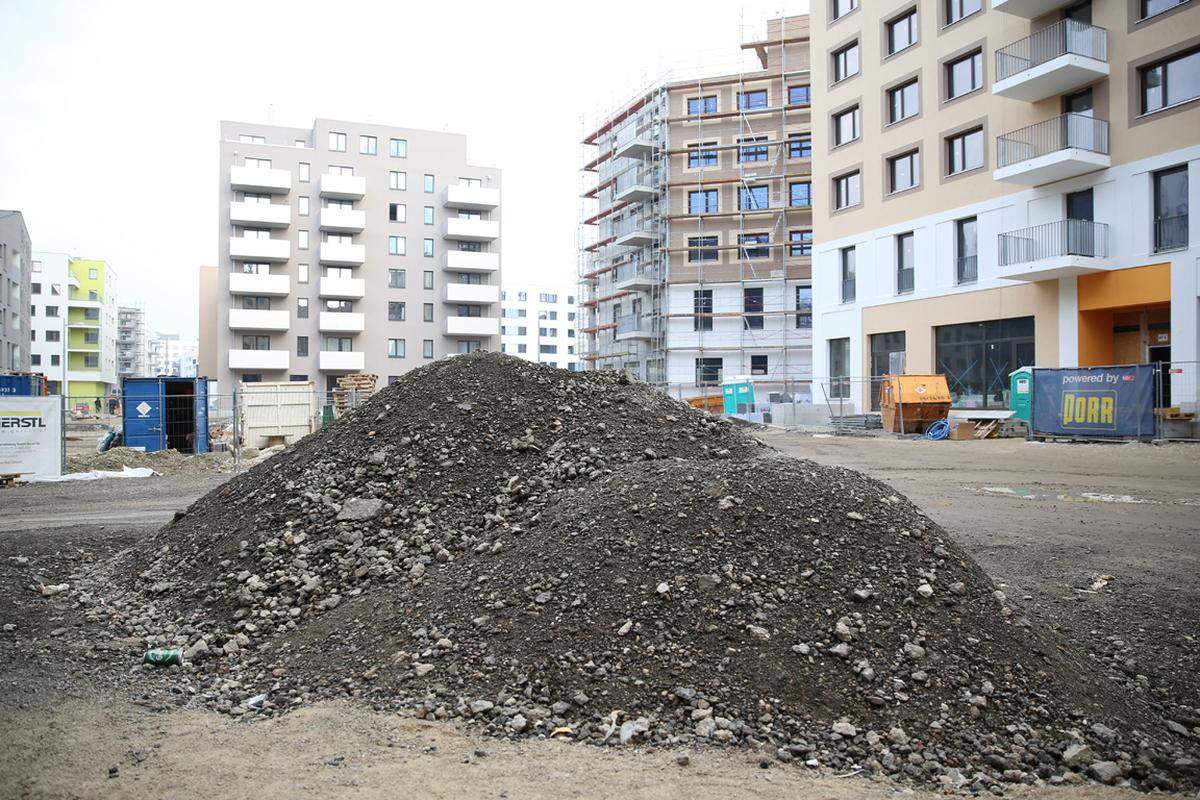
<point>696,237</point>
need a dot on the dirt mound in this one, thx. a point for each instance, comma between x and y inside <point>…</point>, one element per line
<point>165,462</point>
<point>548,553</point>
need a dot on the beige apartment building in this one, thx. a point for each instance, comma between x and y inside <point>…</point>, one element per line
<point>697,225</point>
<point>348,247</point>
<point>1002,183</point>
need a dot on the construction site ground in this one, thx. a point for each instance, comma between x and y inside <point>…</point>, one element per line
<point>1100,541</point>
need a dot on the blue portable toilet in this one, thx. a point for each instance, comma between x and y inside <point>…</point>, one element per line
<point>165,413</point>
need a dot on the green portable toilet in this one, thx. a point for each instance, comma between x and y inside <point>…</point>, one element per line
<point>1020,392</point>
<point>737,392</point>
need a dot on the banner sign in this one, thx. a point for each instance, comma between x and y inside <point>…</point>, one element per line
<point>31,436</point>
<point>1106,402</point>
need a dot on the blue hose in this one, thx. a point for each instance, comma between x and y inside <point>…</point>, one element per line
<point>938,430</point>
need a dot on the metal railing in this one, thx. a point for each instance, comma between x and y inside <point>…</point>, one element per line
<point>848,290</point>
<point>1068,36</point>
<point>1171,233</point>
<point>1050,136</point>
<point>633,269</point>
<point>966,269</point>
<point>635,177</point>
<point>629,323</point>
<point>1068,237</point>
<point>634,225</point>
<point>905,280</point>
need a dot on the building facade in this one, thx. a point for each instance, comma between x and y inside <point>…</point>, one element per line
<point>1004,183</point>
<point>697,226</point>
<point>48,314</point>
<point>539,324</point>
<point>16,257</point>
<point>171,355</point>
<point>351,247</point>
<point>133,343</point>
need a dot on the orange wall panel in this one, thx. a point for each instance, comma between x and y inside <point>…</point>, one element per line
<point>1136,286</point>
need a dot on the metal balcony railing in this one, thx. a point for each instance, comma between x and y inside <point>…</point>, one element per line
<point>634,225</point>
<point>1171,233</point>
<point>635,177</point>
<point>967,269</point>
<point>1068,237</point>
<point>1068,36</point>
<point>905,280</point>
<point>849,288</point>
<point>628,323</point>
<point>633,269</point>
<point>1050,136</point>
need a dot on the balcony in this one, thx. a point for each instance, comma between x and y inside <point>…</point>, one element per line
<point>471,230</point>
<point>480,294</point>
<point>245,248</point>
<point>260,360</point>
<point>260,285</point>
<point>635,186</point>
<point>343,220</point>
<point>1029,9</point>
<point>338,254</point>
<point>261,215</point>
<point>1054,250</point>
<point>1066,56</point>
<point>259,180</point>
<point>634,276</point>
<point>635,146</point>
<point>343,288</point>
<point>470,261</point>
<point>471,326</point>
<point>635,233</point>
<point>1052,150</point>
<point>341,322</point>
<point>471,198</point>
<point>343,187</point>
<point>256,319</point>
<point>341,361</point>
<point>634,326</point>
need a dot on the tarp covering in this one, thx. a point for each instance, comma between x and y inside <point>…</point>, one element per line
<point>1101,402</point>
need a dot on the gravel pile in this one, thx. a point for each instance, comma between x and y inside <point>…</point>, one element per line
<point>545,553</point>
<point>164,462</point>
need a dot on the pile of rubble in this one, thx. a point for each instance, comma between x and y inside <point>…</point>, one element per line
<point>545,553</point>
<point>164,462</point>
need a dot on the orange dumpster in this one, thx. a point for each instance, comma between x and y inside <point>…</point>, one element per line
<point>911,403</point>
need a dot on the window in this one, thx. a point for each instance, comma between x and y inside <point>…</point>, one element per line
<point>548,349</point>
<point>398,148</point>
<point>397,245</point>
<point>257,303</point>
<point>548,315</point>
<point>702,202</point>
<point>800,243</point>
<point>708,371</point>
<point>301,308</point>
<point>397,311</point>
<point>700,157</point>
<point>368,145</point>
<point>799,145</point>
<point>550,332</point>
<point>964,75</point>
<point>905,271</point>
<point>839,368</point>
<point>398,180</point>
<point>257,163</point>
<point>94,274</point>
<point>340,306</point>
<point>843,7</point>
<point>903,101</point>
<point>427,348</point>
<point>800,194</point>
<point>966,244</point>
<point>427,215</point>
<point>396,278</point>
<point>1152,8</point>
<point>468,346</point>
<point>35,359</point>
<point>302,206</point>
<point>799,96</point>
<point>702,248</point>
<point>1171,82</point>
<point>964,151</point>
<point>754,238</point>
<point>252,342</point>
<point>904,171</point>
<point>977,357</point>
<point>752,308</point>
<point>847,257</point>
<point>427,312</point>
<point>902,32</point>
<point>397,212</point>
<point>338,344</point>
<point>847,190</point>
<point>301,240</point>
<point>340,170</point>
<point>845,62</point>
<point>395,348</point>
<point>521,348</point>
<point>337,142</point>
<point>702,306</point>
<point>702,105</point>
<point>750,151</point>
<point>748,101</point>
<point>547,297</point>
<point>883,347</point>
<point>246,138</point>
<point>53,336</point>
<point>301,345</point>
<point>302,273</point>
<point>305,172</point>
<point>754,198</point>
<point>846,126</point>
<point>804,307</point>
<point>428,279</point>
<point>427,184</point>
<point>427,248</point>
<point>960,9</point>
<point>1171,209</point>
<point>758,365</point>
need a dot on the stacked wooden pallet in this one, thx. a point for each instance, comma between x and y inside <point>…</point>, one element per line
<point>359,386</point>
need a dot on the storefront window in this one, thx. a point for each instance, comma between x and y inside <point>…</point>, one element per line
<point>976,358</point>
<point>883,345</point>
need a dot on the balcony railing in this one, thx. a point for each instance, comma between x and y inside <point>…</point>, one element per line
<point>1171,233</point>
<point>1050,136</point>
<point>1068,237</point>
<point>633,269</point>
<point>905,280</point>
<point>634,225</point>
<point>967,269</point>
<point>635,177</point>
<point>629,323</point>
<point>849,289</point>
<point>1066,37</point>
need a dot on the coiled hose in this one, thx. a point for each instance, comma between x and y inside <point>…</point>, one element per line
<point>938,430</point>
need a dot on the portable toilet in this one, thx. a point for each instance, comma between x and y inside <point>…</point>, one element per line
<point>1020,393</point>
<point>165,413</point>
<point>738,394</point>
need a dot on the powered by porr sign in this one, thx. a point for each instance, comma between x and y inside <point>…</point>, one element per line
<point>1094,402</point>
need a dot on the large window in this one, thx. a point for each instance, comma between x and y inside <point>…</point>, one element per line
<point>751,100</point>
<point>398,180</point>
<point>799,96</point>
<point>702,306</point>
<point>751,239</point>
<point>964,75</point>
<point>839,368</point>
<point>1170,82</point>
<point>708,371</point>
<point>702,248</point>
<point>843,7</point>
<point>702,105</point>
<point>904,171</point>
<point>845,62</point>
<point>337,142</point>
<point>966,239</point>
<point>398,148</point>
<point>799,145</point>
<point>800,243</point>
<point>1152,8</point>
<point>847,190</point>
<point>964,151</point>
<point>903,101</point>
<point>883,345</point>
<point>1171,209</point>
<point>368,145</point>
<point>754,198</point>
<point>847,258</point>
<point>397,278</point>
<point>958,9</point>
<point>905,257</point>
<point>800,194</point>
<point>804,307</point>
<point>702,202</point>
<point>698,156</point>
<point>846,126</point>
<point>902,32</point>
<point>751,149</point>
<point>752,308</point>
<point>395,348</point>
<point>397,312</point>
<point>977,357</point>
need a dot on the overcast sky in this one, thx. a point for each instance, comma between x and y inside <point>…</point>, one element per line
<point>110,109</point>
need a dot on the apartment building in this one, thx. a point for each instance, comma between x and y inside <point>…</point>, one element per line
<point>48,314</point>
<point>539,324</point>
<point>697,225</point>
<point>15,261</point>
<point>351,247</point>
<point>133,343</point>
<point>1004,183</point>
<point>172,355</point>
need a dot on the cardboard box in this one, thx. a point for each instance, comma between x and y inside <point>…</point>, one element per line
<point>962,429</point>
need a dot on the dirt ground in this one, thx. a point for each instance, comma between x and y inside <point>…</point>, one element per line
<point>1101,542</point>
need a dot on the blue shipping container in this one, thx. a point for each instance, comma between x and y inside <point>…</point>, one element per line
<point>22,385</point>
<point>166,413</point>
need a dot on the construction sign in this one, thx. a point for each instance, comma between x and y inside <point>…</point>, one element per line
<point>31,436</point>
<point>1094,402</point>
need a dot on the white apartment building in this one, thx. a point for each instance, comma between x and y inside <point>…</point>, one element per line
<point>349,247</point>
<point>48,315</point>
<point>539,324</point>
<point>133,343</point>
<point>171,355</point>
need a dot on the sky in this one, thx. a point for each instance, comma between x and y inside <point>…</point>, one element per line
<point>110,109</point>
